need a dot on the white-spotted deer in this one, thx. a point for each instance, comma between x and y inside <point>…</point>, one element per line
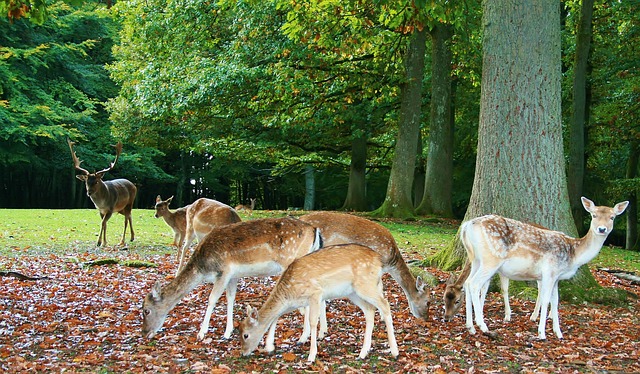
<point>454,295</point>
<point>521,251</point>
<point>113,196</point>
<point>247,208</point>
<point>350,270</point>
<point>343,228</point>
<point>260,247</point>
<point>177,219</point>
<point>203,215</point>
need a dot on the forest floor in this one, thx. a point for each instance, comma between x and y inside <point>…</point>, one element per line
<point>88,319</point>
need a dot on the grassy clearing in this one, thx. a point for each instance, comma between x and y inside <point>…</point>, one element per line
<point>34,232</point>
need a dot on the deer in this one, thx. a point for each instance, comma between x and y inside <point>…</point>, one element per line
<point>454,295</point>
<point>342,228</point>
<point>349,270</point>
<point>203,215</point>
<point>247,208</point>
<point>262,247</point>
<point>522,251</point>
<point>177,220</point>
<point>112,196</point>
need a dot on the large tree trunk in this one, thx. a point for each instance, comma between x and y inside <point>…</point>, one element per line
<point>439,175</point>
<point>575,166</point>
<point>398,202</point>
<point>356,192</point>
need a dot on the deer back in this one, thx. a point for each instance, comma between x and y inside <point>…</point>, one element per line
<point>205,214</point>
<point>343,228</point>
<point>270,244</point>
<point>113,195</point>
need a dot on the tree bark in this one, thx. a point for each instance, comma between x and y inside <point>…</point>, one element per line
<point>398,201</point>
<point>577,137</point>
<point>439,174</point>
<point>356,199</point>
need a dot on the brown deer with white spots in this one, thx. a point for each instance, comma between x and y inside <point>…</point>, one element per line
<point>343,228</point>
<point>521,251</point>
<point>350,270</point>
<point>112,196</point>
<point>262,247</point>
<point>177,219</point>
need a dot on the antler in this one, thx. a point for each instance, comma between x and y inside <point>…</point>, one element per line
<point>76,162</point>
<point>118,148</point>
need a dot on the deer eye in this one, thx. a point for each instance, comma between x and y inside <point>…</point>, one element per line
<point>146,312</point>
<point>245,336</point>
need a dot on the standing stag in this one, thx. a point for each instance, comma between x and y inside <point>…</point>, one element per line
<point>113,196</point>
<point>521,251</point>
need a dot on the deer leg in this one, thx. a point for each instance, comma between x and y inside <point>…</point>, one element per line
<point>536,310</point>
<point>306,329</point>
<point>314,310</point>
<point>231,297</point>
<point>477,286</point>
<point>269,344</point>
<point>544,293</point>
<point>102,237</point>
<point>127,217</point>
<point>504,286</point>
<point>369,316</point>
<point>323,320</point>
<point>554,311</point>
<point>130,226</point>
<point>216,292</point>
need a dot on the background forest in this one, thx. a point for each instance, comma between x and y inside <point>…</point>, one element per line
<point>297,104</point>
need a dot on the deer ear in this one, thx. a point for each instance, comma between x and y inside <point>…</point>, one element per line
<point>620,207</point>
<point>252,314</point>
<point>450,280</point>
<point>158,199</point>
<point>82,177</point>
<point>169,199</point>
<point>587,204</point>
<point>156,290</point>
<point>420,284</point>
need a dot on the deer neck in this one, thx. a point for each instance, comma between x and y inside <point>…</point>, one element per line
<point>274,307</point>
<point>180,286</point>
<point>587,248</point>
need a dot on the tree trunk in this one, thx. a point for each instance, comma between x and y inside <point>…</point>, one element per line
<point>632,210</point>
<point>398,202</point>
<point>357,191</point>
<point>310,187</point>
<point>575,166</point>
<point>439,175</point>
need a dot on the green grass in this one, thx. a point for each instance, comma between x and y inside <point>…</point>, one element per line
<point>41,231</point>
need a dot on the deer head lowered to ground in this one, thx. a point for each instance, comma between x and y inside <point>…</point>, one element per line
<point>343,228</point>
<point>349,270</point>
<point>260,247</point>
<point>522,251</point>
<point>113,196</point>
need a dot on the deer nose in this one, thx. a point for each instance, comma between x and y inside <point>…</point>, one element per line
<point>602,230</point>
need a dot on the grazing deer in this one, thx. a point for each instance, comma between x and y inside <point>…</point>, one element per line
<point>521,251</point>
<point>350,270</point>
<point>203,216</point>
<point>177,219</point>
<point>260,247</point>
<point>248,209</point>
<point>454,295</point>
<point>113,196</point>
<point>342,228</point>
